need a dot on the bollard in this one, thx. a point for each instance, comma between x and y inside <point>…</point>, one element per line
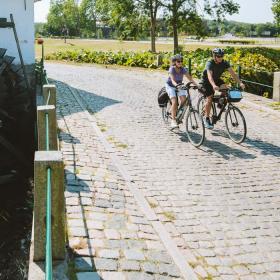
<point>276,87</point>
<point>49,94</point>
<point>47,128</point>
<point>190,66</point>
<point>159,60</point>
<point>43,161</point>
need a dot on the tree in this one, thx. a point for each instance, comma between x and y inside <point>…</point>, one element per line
<point>88,15</point>
<point>177,10</point>
<point>151,7</point>
<point>180,10</point>
<point>63,13</point>
<point>122,16</point>
<point>276,11</point>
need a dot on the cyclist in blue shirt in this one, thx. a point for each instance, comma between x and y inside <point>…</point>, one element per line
<point>211,80</point>
<point>175,79</point>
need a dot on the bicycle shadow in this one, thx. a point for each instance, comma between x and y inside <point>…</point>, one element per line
<point>218,148</point>
<point>265,148</point>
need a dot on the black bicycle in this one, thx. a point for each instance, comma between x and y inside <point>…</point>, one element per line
<point>193,121</point>
<point>234,120</point>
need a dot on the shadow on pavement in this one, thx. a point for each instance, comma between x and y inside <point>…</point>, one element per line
<point>215,147</point>
<point>97,102</point>
<point>264,147</point>
<point>80,251</point>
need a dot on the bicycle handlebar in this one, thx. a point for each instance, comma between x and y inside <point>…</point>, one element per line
<point>187,86</point>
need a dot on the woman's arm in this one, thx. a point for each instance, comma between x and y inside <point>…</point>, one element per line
<point>190,78</point>
<point>173,80</point>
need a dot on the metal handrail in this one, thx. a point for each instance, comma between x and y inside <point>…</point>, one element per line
<point>48,259</point>
<point>239,68</point>
<point>48,246</point>
<point>48,266</point>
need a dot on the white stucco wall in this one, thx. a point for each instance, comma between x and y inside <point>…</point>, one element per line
<point>24,20</point>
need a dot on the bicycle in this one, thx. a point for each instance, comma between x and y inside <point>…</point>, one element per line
<point>195,129</point>
<point>234,120</point>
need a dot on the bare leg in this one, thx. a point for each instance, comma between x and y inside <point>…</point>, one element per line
<point>182,100</point>
<point>174,107</point>
<point>208,106</point>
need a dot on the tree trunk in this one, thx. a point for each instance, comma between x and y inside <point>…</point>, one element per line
<point>175,33</point>
<point>153,34</point>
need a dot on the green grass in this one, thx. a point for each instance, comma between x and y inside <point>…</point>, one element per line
<point>170,216</point>
<point>275,105</point>
<point>53,45</point>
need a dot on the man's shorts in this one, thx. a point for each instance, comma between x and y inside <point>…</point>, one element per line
<point>171,91</point>
<point>208,87</point>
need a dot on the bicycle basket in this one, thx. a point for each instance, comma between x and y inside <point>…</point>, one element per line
<point>234,95</point>
<point>163,97</point>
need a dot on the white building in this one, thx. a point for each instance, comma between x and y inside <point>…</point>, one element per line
<point>23,13</point>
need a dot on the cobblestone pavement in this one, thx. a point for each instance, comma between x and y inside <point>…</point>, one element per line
<point>219,203</point>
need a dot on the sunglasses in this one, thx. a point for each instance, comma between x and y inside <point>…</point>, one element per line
<point>179,61</point>
<point>219,56</point>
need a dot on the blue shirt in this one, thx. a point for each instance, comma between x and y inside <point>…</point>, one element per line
<point>217,68</point>
<point>177,76</point>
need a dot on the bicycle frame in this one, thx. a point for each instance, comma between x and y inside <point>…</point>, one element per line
<point>188,104</point>
<point>216,117</point>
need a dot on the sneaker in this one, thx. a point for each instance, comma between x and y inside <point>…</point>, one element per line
<point>207,124</point>
<point>174,124</point>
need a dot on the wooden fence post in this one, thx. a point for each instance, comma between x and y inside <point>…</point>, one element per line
<point>54,161</point>
<point>47,112</point>
<point>159,60</point>
<point>276,87</point>
<point>49,93</point>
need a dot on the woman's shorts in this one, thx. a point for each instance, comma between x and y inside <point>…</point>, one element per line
<point>171,91</point>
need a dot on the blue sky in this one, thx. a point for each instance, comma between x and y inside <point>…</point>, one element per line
<point>252,11</point>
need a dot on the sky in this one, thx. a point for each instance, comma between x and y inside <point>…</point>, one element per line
<point>251,11</point>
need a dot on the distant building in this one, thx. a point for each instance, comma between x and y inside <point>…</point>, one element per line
<point>266,33</point>
<point>228,36</point>
<point>23,13</point>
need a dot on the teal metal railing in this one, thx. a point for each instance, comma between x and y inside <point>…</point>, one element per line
<point>48,258</point>
<point>239,69</point>
<point>41,80</point>
<point>48,264</point>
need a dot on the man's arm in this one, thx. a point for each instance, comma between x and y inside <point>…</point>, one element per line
<point>211,80</point>
<point>235,77</point>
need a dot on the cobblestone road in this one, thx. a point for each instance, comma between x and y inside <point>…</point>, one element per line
<point>219,203</point>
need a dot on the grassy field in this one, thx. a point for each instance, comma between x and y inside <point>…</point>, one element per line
<point>53,45</point>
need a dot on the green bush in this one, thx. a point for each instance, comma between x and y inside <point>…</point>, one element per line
<point>257,64</point>
<point>243,42</point>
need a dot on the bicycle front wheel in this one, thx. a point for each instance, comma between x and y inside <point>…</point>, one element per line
<point>201,106</point>
<point>235,124</point>
<point>195,128</point>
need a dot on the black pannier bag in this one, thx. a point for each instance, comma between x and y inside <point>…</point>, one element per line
<point>162,97</point>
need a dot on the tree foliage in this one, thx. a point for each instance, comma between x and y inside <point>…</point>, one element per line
<point>276,11</point>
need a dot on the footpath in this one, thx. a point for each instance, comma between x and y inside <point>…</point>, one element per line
<point>142,203</point>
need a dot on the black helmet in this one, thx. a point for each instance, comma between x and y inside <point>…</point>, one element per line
<point>177,57</point>
<point>218,51</point>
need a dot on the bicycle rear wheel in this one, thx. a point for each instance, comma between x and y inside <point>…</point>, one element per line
<point>166,115</point>
<point>235,124</point>
<point>195,128</point>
